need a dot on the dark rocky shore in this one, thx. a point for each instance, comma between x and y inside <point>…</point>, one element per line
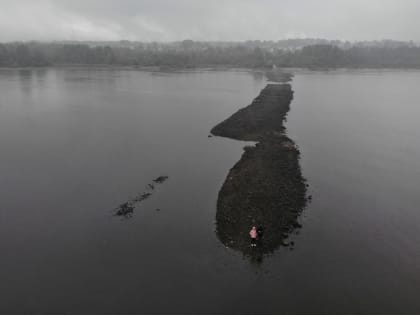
<point>265,188</point>
<point>263,117</point>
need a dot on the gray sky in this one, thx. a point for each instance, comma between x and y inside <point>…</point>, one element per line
<point>168,20</point>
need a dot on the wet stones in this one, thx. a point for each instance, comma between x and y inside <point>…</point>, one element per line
<point>161,179</point>
<point>141,197</point>
<point>263,117</point>
<point>126,209</point>
<point>265,187</point>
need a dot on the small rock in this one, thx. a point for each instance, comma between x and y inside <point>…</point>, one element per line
<point>160,179</point>
<point>126,210</point>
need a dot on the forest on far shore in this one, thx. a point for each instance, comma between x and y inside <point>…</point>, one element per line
<point>190,54</point>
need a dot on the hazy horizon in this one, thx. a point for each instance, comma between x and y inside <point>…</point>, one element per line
<point>168,21</point>
<point>244,41</point>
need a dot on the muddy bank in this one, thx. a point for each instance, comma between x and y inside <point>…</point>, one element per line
<point>265,188</point>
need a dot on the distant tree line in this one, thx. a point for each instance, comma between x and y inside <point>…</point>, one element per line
<point>189,54</point>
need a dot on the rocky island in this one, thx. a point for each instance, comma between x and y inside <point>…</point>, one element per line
<point>265,188</point>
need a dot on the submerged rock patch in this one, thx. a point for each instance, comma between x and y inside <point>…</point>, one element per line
<point>161,179</point>
<point>126,209</point>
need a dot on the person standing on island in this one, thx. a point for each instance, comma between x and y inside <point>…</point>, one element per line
<point>253,234</point>
<point>260,232</point>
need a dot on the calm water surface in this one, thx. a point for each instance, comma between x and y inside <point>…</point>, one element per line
<point>76,143</point>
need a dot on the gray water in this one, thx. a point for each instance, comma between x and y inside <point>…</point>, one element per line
<point>76,143</point>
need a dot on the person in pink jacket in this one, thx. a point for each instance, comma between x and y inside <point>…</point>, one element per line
<point>253,234</point>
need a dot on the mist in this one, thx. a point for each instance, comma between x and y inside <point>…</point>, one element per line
<point>165,20</point>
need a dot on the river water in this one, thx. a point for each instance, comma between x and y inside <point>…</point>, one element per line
<point>76,143</point>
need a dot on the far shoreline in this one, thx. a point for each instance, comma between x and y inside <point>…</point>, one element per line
<point>207,68</point>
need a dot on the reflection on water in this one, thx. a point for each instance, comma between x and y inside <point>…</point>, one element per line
<point>72,151</point>
<point>30,79</point>
<point>80,142</point>
<point>25,78</point>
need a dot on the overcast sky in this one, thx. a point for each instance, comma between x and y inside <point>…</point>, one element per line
<point>168,20</point>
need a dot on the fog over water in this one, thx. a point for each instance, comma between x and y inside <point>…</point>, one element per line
<point>167,20</point>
